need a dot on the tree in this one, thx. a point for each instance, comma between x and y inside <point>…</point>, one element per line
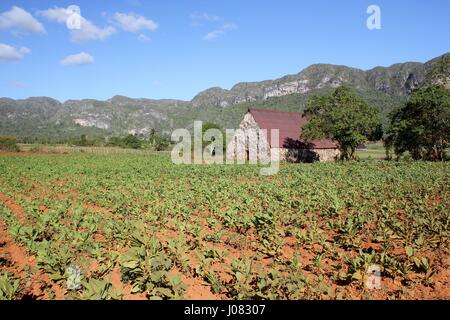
<point>8,144</point>
<point>342,116</point>
<point>210,125</point>
<point>152,132</point>
<point>114,142</point>
<point>422,126</point>
<point>83,141</point>
<point>160,142</point>
<point>131,141</point>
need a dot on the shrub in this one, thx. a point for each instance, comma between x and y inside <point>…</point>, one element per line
<point>133,142</point>
<point>8,144</point>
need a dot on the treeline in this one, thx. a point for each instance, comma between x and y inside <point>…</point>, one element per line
<point>153,141</point>
<point>420,127</point>
<point>8,143</point>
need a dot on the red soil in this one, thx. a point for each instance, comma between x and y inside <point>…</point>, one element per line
<point>44,190</point>
<point>115,279</point>
<point>34,284</point>
<point>196,288</point>
<point>14,207</point>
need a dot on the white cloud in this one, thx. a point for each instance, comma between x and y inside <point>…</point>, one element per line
<point>220,31</point>
<point>55,14</point>
<point>81,58</point>
<point>144,38</point>
<point>221,27</point>
<point>20,21</point>
<point>10,53</point>
<point>132,22</point>
<point>199,17</point>
<point>87,31</point>
<point>213,34</point>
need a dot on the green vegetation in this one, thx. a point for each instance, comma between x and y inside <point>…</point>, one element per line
<point>159,142</point>
<point>344,117</point>
<point>210,125</point>
<point>140,226</point>
<point>155,141</point>
<point>8,144</point>
<point>9,288</point>
<point>422,126</point>
<point>440,72</point>
<point>131,141</point>
<point>210,141</point>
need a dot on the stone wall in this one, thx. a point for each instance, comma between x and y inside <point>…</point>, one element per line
<point>309,155</point>
<point>328,154</point>
<point>247,141</point>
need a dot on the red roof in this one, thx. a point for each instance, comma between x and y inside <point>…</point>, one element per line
<point>289,124</point>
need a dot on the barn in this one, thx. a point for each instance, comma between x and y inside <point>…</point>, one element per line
<point>255,136</point>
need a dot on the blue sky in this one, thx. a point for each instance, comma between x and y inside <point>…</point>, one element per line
<point>174,49</point>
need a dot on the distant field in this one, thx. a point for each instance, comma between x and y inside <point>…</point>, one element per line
<point>65,149</point>
<point>373,151</point>
<point>377,151</point>
<point>140,227</point>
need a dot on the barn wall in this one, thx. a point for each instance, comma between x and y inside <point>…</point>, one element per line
<point>246,139</point>
<point>309,155</point>
<point>328,154</point>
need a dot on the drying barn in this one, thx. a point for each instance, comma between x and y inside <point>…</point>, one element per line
<point>255,137</point>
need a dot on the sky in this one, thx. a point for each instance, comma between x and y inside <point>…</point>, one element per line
<point>177,48</point>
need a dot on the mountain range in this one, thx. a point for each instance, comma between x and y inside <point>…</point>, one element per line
<point>384,87</point>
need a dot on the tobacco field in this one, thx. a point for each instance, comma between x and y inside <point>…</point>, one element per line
<point>140,227</point>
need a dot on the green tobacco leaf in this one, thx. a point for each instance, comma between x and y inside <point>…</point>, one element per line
<point>136,288</point>
<point>174,279</point>
<point>56,277</point>
<point>164,291</point>
<point>409,251</point>
<point>133,264</point>
<point>357,275</point>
